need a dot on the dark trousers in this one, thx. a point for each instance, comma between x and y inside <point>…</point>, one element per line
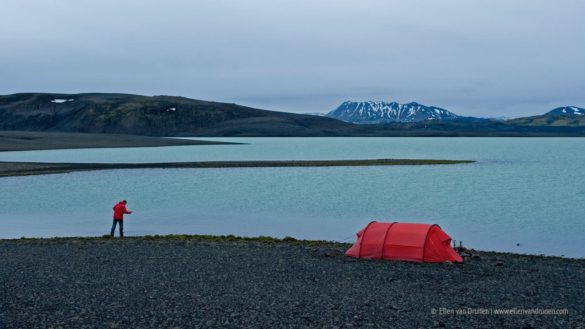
<point>121,222</point>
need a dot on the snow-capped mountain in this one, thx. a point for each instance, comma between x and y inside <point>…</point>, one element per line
<point>383,112</point>
<point>567,110</point>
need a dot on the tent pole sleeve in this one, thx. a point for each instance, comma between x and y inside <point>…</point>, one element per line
<point>384,241</point>
<point>362,239</point>
<point>426,238</point>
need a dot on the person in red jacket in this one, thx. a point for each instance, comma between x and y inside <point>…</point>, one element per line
<point>119,211</point>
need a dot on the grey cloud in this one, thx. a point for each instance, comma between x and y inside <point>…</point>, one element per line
<point>488,58</point>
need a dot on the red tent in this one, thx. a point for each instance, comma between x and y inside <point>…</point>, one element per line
<point>404,241</point>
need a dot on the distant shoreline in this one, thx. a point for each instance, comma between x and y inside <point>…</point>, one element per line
<point>34,141</point>
<point>43,168</point>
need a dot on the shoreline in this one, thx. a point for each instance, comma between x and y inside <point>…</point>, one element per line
<point>8,169</point>
<point>226,281</point>
<point>268,240</point>
<point>11,141</point>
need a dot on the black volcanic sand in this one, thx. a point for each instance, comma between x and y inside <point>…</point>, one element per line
<point>204,282</point>
<point>29,140</point>
<point>40,168</point>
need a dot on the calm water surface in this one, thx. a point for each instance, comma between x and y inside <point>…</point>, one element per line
<point>526,191</point>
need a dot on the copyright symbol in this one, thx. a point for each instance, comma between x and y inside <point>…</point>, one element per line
<point>433,311</point>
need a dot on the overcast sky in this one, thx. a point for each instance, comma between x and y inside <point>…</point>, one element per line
<point>483,58</point>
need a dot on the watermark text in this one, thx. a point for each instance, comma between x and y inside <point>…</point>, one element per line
<point>499,311</point>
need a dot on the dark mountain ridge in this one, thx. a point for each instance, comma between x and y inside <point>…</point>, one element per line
<point>372,112</point>
<point>180,116</point>
<point>152,115</point>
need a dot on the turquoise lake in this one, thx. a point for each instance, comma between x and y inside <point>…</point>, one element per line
<point>526,191</point>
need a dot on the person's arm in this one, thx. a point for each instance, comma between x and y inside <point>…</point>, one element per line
<point>126,211</point>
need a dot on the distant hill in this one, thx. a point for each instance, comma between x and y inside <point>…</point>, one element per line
<point>567,110</point>
<point>385,112</point>
<point>154,116</point>
<point>566,116</point>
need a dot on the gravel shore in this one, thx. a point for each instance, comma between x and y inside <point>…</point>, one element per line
<point>203,282</point>
<point>40,168</point>
<point>37,140</point>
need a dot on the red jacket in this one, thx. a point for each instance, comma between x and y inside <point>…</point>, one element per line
<point>120,210</point>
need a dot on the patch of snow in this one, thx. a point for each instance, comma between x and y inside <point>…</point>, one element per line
<point>172,109</point>
<point>60,100</point>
